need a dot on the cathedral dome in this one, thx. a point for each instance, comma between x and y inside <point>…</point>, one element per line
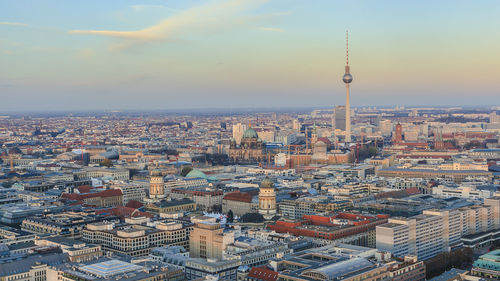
<point>250,134</point>
<point>267,183</point>
<point>156,173</point>
<point>196,174</point>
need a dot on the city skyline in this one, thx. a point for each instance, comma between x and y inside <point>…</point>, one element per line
<point>120,55</point>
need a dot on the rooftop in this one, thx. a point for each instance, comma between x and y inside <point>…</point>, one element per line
<point>110,268</point>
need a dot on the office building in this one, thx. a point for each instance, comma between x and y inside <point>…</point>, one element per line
<point>223,270</point>
<point>238,130</point>
<point>208,240</point>
<point>339,120</point>
<point>136,240</point>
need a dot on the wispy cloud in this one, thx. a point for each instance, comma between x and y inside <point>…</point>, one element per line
<point>143,7</point>
<point>209,17</point>
<point>271,29</point>
<point>12,23</point>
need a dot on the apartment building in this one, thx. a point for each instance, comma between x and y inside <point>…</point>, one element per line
<point>435,231</point>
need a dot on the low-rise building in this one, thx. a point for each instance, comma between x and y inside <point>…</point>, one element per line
<point>64,224</point>
<point>77,251</point>
<point>136,240</point>
<point>33,267</point>
<point>104,198</point>
<point>114,269</point>
<point>224,270</point>
<point>487,266</point>
<point>132,192</point>
<point>203,199</point>
<point>239,203</point>
<point>164,206</point>
<point>347,228</point>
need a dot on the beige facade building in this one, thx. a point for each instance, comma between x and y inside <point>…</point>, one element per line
<point>207,240</point>
<point>239,203</point>
<point>131,192</point>
<point>76,250</point>
<point>238,130</point>
<point>136,240</point>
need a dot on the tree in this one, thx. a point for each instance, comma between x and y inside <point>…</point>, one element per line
<point>230,216</point>
<point>367,152</point>
<point>252,217</point>
<point>445,261</point>
<point>186,170</point>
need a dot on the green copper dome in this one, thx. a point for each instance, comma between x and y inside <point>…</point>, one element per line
<point>196,174</point>
<point>156,173</point>
<point>250,134</point>
<point>267,183</point>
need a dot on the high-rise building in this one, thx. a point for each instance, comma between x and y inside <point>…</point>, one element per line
<point>208,240</point>
<point>296,125</point>
<point>494,117</point>
<point>347,78</point>
<point>238,131</point>
<point>385,127</point>
<point>339,115</point>
<point>267,199</point>
<point>436,231</point>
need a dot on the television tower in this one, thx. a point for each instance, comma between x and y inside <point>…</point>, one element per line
<point>347,80</point>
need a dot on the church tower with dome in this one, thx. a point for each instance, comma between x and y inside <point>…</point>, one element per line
<point>156,185</point>
<point>250,150</point>
<point>267,199</point>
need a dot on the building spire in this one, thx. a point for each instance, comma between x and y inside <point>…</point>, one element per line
<point>347,78</point>
<point>347,47</point>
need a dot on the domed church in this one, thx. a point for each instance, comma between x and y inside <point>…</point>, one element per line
<point>251,148</point>
<point>267,199</point>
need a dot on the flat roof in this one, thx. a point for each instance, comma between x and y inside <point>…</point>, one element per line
<point>109,268</point>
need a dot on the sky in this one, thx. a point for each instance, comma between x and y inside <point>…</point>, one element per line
<point>175,54</point>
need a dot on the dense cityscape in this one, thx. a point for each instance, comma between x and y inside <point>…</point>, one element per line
<point>252,196</point>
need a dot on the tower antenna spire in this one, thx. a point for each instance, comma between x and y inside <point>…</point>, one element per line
<point>347,78</point>
<point>347,46</point>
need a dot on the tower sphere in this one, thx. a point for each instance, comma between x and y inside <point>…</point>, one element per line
<point>347,78</point>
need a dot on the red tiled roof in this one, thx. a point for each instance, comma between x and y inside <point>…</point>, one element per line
<point>85,188</point>
<point>238,196</point>
<point>413,191</point>
<point>124,212</point>
<point>104,193</point>
<point>134,204</point>
<point>263,273</point>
